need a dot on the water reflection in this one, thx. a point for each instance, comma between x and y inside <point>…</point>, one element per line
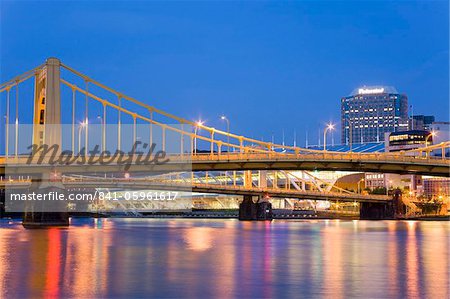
<point>225,258</point>
<point>199,238</point>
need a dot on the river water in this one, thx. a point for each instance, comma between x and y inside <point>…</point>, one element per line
<point>193,258</point>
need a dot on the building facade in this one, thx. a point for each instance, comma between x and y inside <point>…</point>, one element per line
<point>395,142</point>
<point>421,122</point>
<point>436,188</point>
<point>370,112</point>
<point>407,140</point>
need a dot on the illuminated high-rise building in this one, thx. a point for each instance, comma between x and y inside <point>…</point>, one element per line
<point>370,112</point>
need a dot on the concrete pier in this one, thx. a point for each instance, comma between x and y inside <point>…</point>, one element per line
<point>45,220</point>
<point>390,210</point>
<point>2,203</point>
<point>42,214</point>
<point>377,211</point>
<point>259,210</point>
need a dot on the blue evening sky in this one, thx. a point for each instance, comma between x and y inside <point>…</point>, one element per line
<point>268,66</point>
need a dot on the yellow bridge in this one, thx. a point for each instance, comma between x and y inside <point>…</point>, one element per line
<point>61,96</point>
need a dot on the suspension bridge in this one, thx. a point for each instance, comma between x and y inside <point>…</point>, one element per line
<point>70,109</point>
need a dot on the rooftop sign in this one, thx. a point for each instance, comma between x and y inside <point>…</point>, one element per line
<point>370,90</point>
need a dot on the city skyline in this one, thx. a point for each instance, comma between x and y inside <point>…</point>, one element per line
<point>263,81</point>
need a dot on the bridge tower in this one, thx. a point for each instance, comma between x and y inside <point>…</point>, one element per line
<point>47,104</point>
<point>46,130</point>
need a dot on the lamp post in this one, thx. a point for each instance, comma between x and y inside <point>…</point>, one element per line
<point>359,186</point>
<point>327,128</point>
<point>198,124</point>
<point>223,117</point>
<point>389,183</point>
<point>432,133</point>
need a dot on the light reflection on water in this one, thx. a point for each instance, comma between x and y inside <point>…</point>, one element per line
<point>226,258</point>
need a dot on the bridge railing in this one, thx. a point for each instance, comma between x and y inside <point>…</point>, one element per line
<point>323,156</point>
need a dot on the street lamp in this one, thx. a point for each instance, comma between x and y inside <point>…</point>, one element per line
<point>327,128</point>
<point>359,187</point>
<point>81,126</point>
<point>389,183</point>
<point>223,117</point>
<point>197,126</point>
<point>432,133</point>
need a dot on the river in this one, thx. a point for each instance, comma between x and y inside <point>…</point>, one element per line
<point>194,258</point>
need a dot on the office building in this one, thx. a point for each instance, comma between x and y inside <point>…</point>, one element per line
<point>395,142</point>
<point>407,140</point>
<point>421,122</point>
<point>370,112</point>
<point>436,188</point>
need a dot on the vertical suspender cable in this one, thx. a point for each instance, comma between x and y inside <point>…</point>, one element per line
<point>16,149</point>
<point>73,120</point>
<point>104,128</point>
<point>7,122</point>
<point>119,123</point>
<point>212,141</point>
<point>182,139</point>
<point>134,129</point>
<point>151,127</point>
<point>86,120</point>
<point>164,138</point>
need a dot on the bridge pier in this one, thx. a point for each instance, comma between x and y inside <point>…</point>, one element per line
<point>391,210</point>
<point>377,211</point>
<point>2,203</point>
<point>45,219</point>
<point>43,214</point>
<point>259,210</point>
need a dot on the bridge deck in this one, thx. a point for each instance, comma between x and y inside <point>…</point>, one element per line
<point>359,162</point>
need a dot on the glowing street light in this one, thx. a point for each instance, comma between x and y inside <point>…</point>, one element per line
<point>223,117</point>
<point>198,125</point>
<point>359,186</point>
<point>327,128</point>
<point>388,185</point>
<point>432,133</point>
